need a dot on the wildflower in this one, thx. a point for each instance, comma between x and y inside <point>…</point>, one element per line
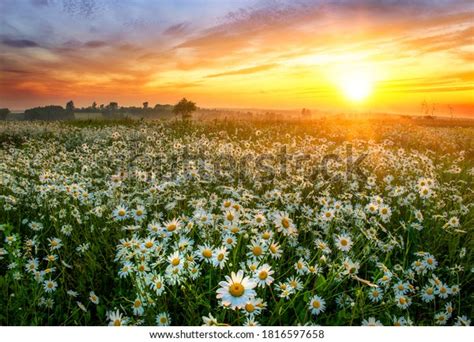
<point>284,224</point>
<point>50,285</point>
<point>120,213</point>
<point>402,301</point>
<point>209,320</point>
<point>116,318</point>
<point>163,319</point>
<point>428,293</point>
<point>220,257</point>
<point>236,290</point>
<point>440,318</point>
<point>93,298</point>
<point>263,275</point>
<point>372,322</point>
<point>138,307</point>
<point>375,295</point>
<point>343,243</point>
<point>317,305</point>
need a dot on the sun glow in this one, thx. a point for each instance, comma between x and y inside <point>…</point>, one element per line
<point>357,85</point>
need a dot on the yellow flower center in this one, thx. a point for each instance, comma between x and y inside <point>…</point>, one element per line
<point>316,304</point>
<point>117,323</point>
<point>175,262</point>
<point>207,253</point>
<point>263,275</point>
<point>249,307</point>
<point>257,250</point>
<point>171,227</point>
<point>285,223</point>
<point>236,290</point>
<point>344,242</point>
<point>121,212</point>
<point>149,244</point>
<point>402,300</point>
<point>220,257</point>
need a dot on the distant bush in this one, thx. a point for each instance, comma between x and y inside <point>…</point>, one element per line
<point>48,113</point>
<point>4,113</point>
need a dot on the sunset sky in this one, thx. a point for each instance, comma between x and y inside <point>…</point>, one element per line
<point>328,55</point>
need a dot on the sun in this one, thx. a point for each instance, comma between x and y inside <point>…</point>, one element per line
<point>357,85</point>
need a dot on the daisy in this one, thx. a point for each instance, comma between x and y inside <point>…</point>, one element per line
<point>175,260</point>
<point>443,291</point>
<point>275,250</point>
<point>401,287</point>
<point>259,220</point>
<point>93,298</point>
<point>371,322</point>
<point>295,283</point>
<point>385,212</point>
<point>430,262</point>
<point>220,257</point>
<point>157,284</point>
<point>126,269</point>
<point>343,242</point>
<point>253,307</point>
<point>139,213</point>
<point>163,319</point>
<point>209,320</point>
<point>375,295</point>
<point>441,318</point>
<point>400,321</point>
<point>205,253</point>
<point>283,223</point>
<point>425,192</point>
<point>263,275</point>
<point>317,305</point>
<point>462,321</point>
<point>402,301</point>
<point>120,213</point>
<point>138,307</point>
<point>301,266</point>
<point>50,285</point>
<point>116,319</point>
<point>229,240</point>
<point>327,214</point>
<point>428,294</point>
<point>172,226</point>
<point>257,250</point>
<point>236,291</point>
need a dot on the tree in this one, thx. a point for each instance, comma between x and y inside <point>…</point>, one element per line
<point>94,105</point>
<point>4,113</point>
<point>145,105</point>
<point>184,108</point>
<point>70,106</point>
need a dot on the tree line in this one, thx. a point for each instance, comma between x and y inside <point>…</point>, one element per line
<point>184,109</point>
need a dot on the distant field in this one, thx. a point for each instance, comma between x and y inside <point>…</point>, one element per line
<point>332,221</point>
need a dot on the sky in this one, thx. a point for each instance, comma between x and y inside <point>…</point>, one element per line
<point>389,55</point>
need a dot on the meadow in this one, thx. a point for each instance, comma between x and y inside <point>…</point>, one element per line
<point>324,222</point>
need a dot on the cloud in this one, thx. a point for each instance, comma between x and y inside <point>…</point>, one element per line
<point>95,44</point>
<point>19,43</point>
<point>244,71</point>
<point>177,29</point>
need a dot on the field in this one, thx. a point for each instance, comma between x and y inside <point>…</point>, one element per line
<point>324,222</point>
